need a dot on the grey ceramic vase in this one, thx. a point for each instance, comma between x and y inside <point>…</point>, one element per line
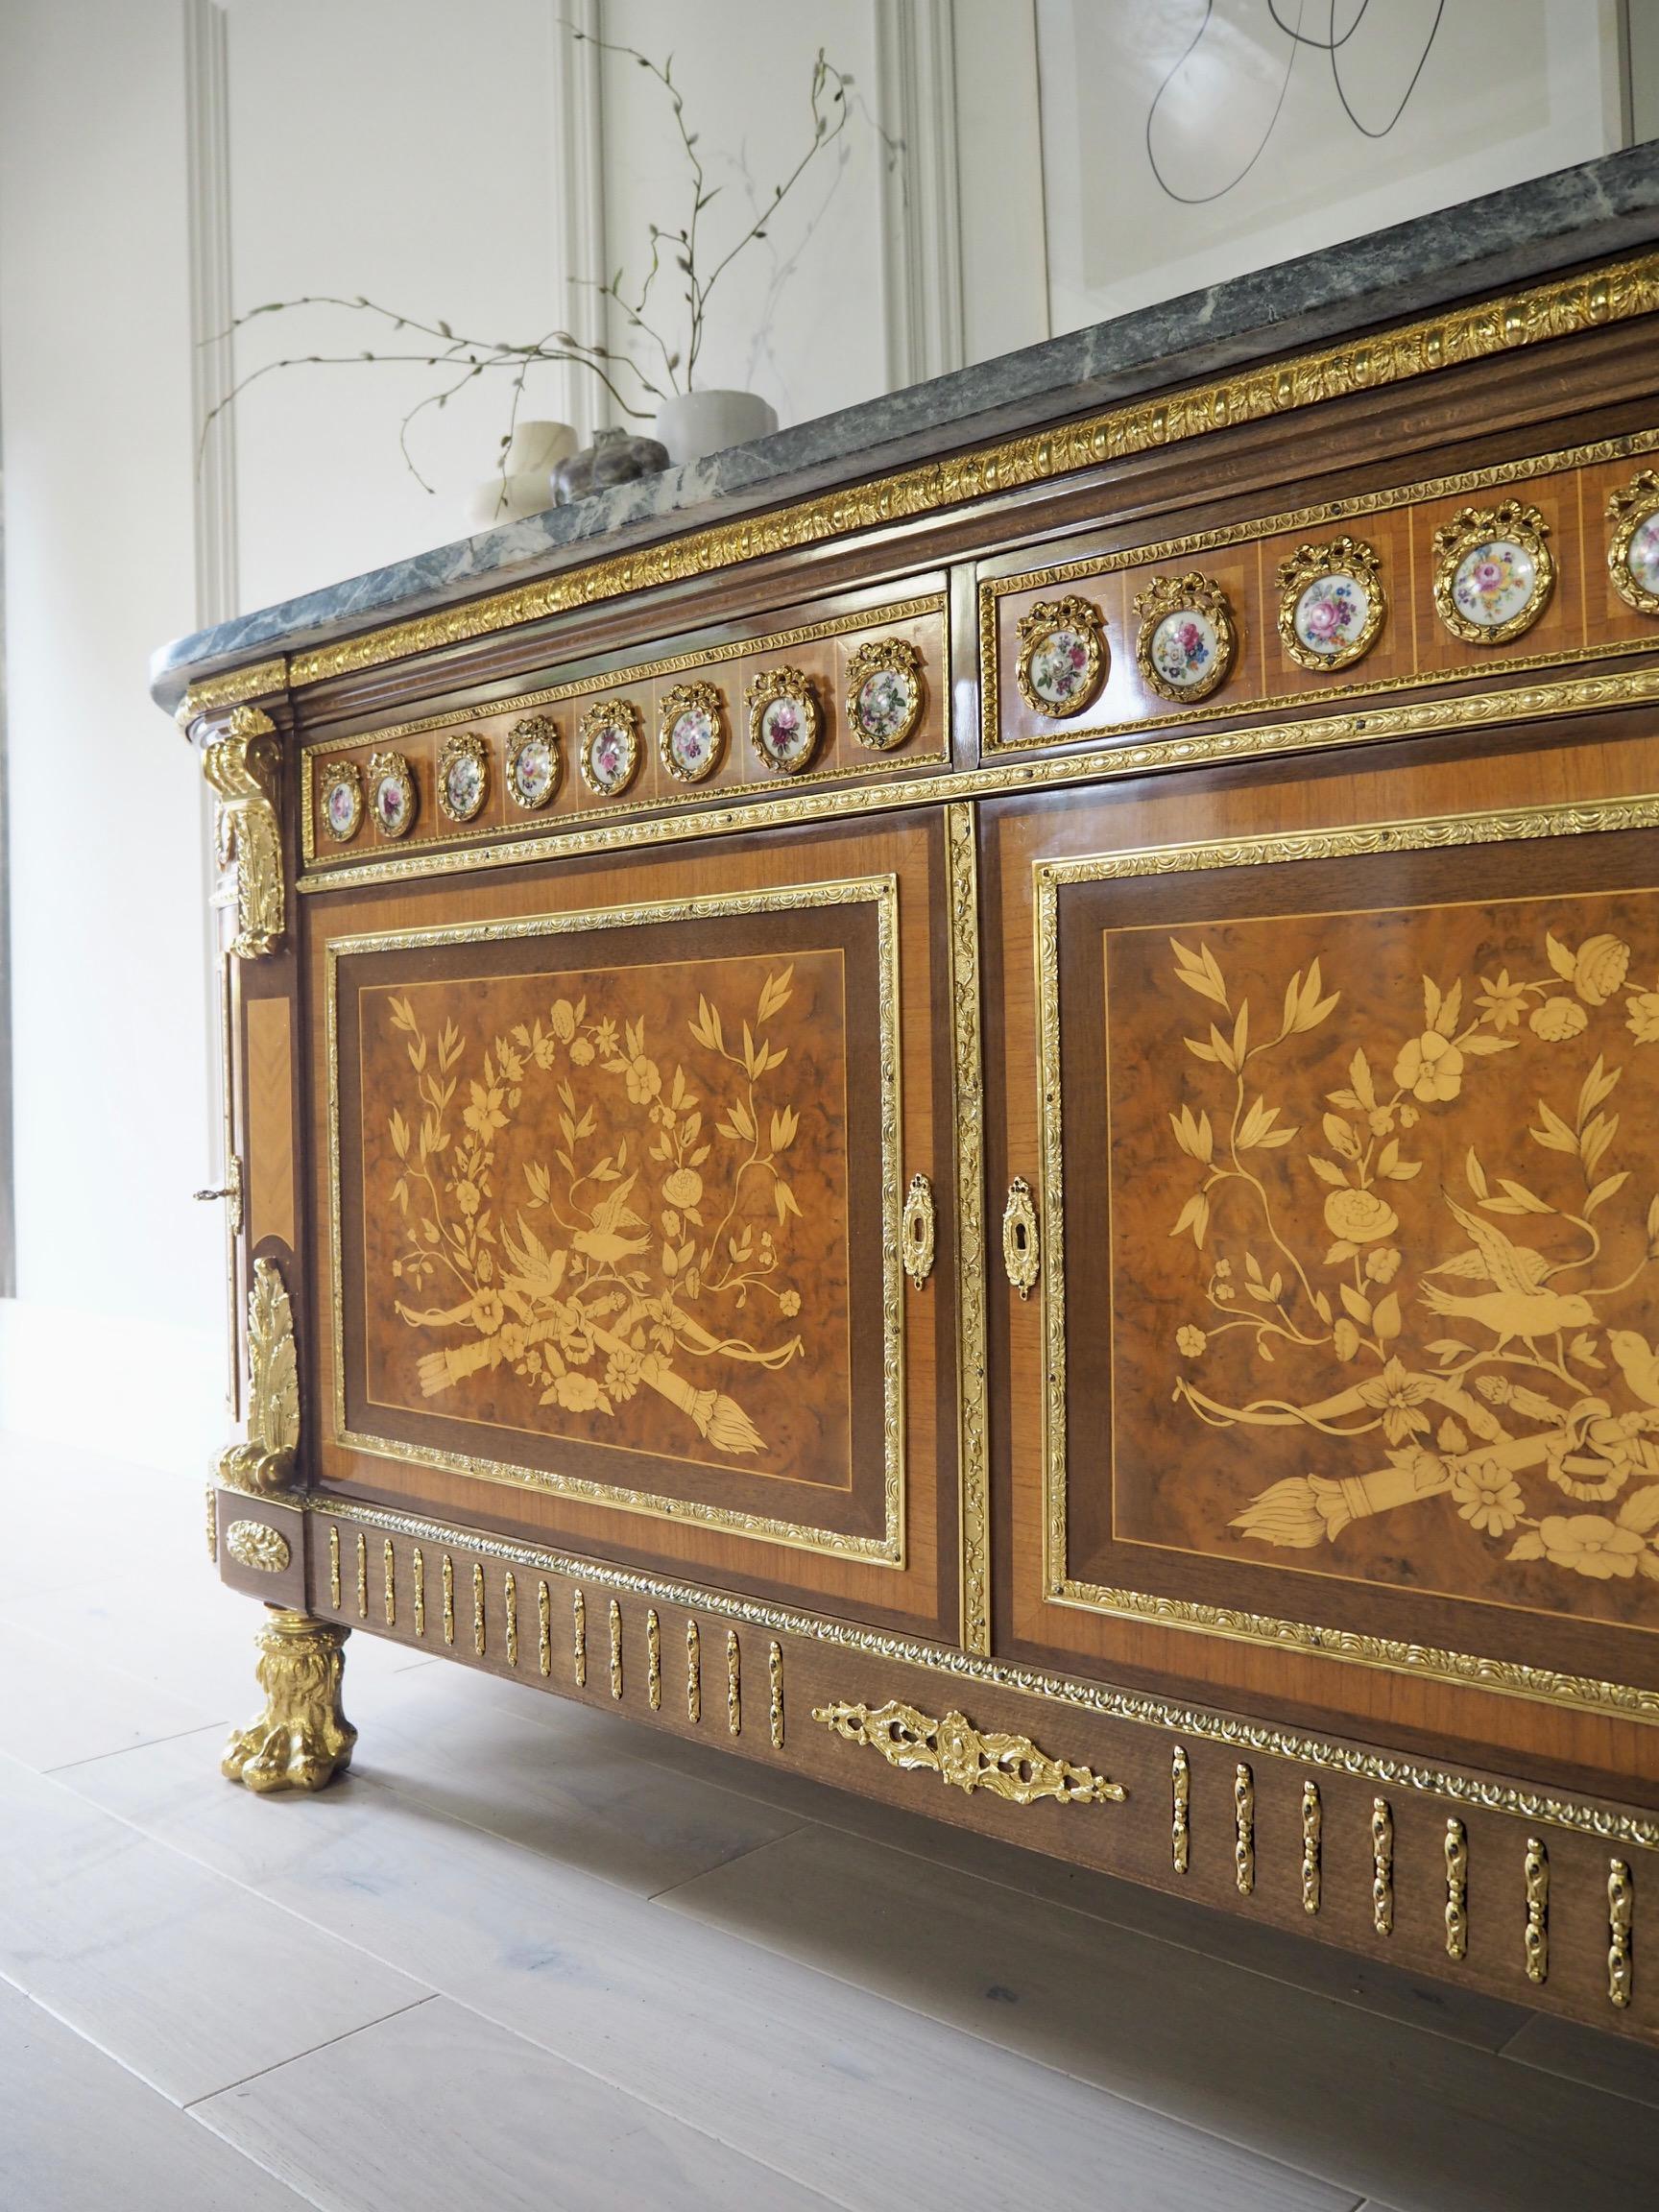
<point>614,457</point>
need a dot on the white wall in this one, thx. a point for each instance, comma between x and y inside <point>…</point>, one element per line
<point>115,1332</point>
<point>798,319</point>
<point>400,149</point>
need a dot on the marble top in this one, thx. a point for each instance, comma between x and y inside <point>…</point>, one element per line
<point>1524,232</point>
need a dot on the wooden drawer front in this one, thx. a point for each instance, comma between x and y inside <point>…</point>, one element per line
<point>1389,541</point>
<point>834,651</point>
<point>1345,1142</point>
<point>617,1163</point>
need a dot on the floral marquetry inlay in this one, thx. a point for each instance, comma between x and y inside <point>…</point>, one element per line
<point>595,1212</point>
<point>1413,1173</point>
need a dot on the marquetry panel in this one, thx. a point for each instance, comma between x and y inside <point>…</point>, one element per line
<point>822,650</point>
<point>1340,1373</point>
<point>1584,618</point>
<point>270,1084</point>
<point>616,1163</point>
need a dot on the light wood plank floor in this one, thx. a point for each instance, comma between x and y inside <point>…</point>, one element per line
<point>531,1955</point>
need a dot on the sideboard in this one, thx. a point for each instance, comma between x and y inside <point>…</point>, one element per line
<point>991,1133</point>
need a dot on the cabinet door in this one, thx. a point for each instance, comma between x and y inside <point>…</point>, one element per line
<point>1339,1388</point>
<point>617,1158</point>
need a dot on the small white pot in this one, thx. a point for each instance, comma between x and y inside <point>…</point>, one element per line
<point>539,447</point>
<point>536,448</point>
<point>692,424</point>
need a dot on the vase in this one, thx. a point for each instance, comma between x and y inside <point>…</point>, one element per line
<point>614,457</point>
<point>520,487</point>
<point>693,424</point>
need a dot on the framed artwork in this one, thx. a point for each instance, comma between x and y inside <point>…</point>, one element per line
<point>1230,136</point>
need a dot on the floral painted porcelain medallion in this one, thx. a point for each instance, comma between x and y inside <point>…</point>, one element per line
<point>1493,572</point>
<point>883,692</point>
<point>392,794</point>
<point>1062,661</point>
<point>609,755</point>
<point>1633,550</point>
<point>342,800</point>
<point>464,776</point>
<point>535,765</point>
<point>784,719</point>
<point>1331,603</point>
<point>692,739</point>
<point>1186,642</point>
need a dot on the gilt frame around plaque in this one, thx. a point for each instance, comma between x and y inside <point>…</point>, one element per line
<point>878,657</point>
<point>339,774</point>
<point>393,768</point>
<point>683,698</point>
<point>1191,593</point>
<point>1310,565</point>
<point>1594,1000</point>
<point>1513,521</point>
<point>883,1391</point>
<point>1629,511</point>
<point>463,745</point>
<point>1039,627</point>
<point>533,729</point>
<point>621,716</point>
<point>770,687</point>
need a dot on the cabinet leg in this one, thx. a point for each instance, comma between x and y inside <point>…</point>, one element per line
<point>302,1738</point>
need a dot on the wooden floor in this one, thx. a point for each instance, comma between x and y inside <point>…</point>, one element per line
<point>530,1956</point>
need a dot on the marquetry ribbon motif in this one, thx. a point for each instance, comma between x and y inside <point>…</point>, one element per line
<point>1009,1766</point>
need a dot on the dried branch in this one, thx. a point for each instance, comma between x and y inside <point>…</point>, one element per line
<point>476,358</point>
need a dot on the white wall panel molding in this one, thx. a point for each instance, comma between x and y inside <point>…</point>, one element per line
<point>212,373</point>
<point>922,232</point>
<point>999,179</point>
<point>578,132</point>
<point>212,361</point>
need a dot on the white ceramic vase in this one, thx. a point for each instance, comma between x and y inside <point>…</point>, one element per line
<point>522,489</point>
<point>692,424</point>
